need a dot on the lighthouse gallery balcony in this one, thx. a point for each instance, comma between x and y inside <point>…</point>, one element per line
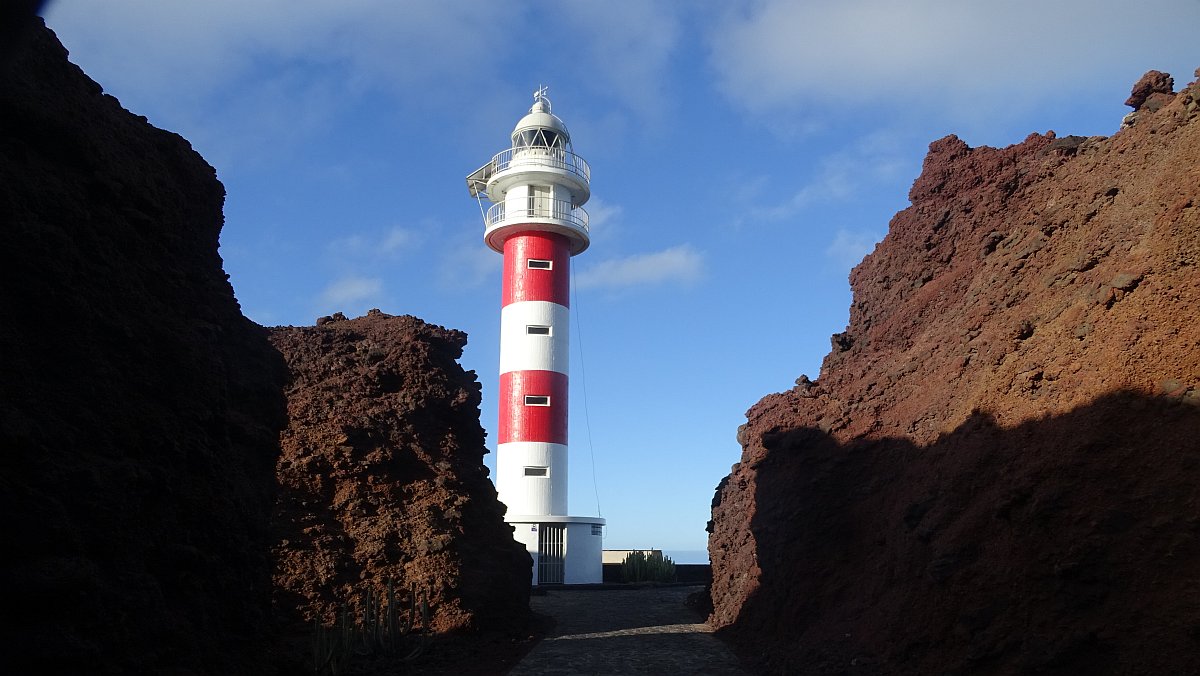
<point>538,209</point>
<point>526,156</point>
<point>520,169</point>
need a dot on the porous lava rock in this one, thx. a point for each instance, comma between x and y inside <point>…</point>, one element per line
<point>382,477</point>
<point>997,470</point>
<point>1153,82</point>
<point>139,410</point>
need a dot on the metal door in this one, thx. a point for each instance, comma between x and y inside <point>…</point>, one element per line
<point>539,201</point>
<point>550,554</point>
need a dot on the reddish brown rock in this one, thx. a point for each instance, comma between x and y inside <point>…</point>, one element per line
<point>1152,83</point>
<point>139,410</point>
<point>996,471</point>
<point>381,477</point>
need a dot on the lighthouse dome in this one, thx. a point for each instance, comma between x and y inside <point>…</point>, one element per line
<point>540,128</point>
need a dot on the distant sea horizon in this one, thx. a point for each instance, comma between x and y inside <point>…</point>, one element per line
<point>689,556</point>
<point>692,556</point>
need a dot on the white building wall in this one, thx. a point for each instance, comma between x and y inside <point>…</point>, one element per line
<point>517,196</point>
<point>527,534</point>
<point>584,552</point>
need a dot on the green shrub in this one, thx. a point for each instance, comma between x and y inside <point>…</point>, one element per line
<point>640,567</point>
<point>381,628</point>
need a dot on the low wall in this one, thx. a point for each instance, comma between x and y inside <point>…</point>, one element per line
<point>697,573</point>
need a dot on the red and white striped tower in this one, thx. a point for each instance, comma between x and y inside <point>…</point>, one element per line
<point>539,186</point>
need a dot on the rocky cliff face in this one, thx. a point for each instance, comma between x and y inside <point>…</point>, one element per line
<point>139,410</point>
<point>141,418</point>
<point>382,476</point>
<point>997,469</point>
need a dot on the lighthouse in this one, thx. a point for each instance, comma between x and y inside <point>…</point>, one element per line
<point>538,187</point>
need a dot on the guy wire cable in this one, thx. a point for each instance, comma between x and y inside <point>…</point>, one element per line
<point>583,383</point>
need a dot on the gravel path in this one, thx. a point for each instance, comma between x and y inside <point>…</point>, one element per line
<point>623,632</point>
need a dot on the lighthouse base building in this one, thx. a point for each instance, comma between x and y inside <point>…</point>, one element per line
<point>565,549</point>
<point>538,186</point>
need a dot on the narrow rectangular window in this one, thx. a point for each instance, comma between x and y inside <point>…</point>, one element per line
<point>537,471</point>
<point>537,400</point>
<point>539,264</point>
<point>535,330</point>
<point>597,529</point>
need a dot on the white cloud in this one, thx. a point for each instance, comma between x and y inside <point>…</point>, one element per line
<point>249,79</point>
<point>875,159</point>
<point>469,264</point>
<point>350,290</point>
<point>397,239</point>
<point>835,180</point>
<point>603,219</point>
<point>849,247</point>
<point>351,244</point>
<point>314,58</point>
<point>679,264</point>
<point>967,55</point>
<point>632,42</point>
<point>363,260</point>
<point>362,247</point>
<point>193,48</point>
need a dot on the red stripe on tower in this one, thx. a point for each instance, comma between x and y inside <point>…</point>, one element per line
<point>533,419</point>
<point>525,282</point>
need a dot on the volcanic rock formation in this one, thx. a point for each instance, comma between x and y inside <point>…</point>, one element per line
<point>998,468</point>
<point>140,418</point>
<point>139,410</point>
<point>382,476</point>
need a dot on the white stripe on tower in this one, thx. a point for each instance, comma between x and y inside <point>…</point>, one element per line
<point>540,328</point>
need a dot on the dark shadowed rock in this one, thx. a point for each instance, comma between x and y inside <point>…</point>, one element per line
<point>139,410</point>
<point>1000,475</point>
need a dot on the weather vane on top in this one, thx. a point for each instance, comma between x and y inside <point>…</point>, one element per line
<point>540,95</point>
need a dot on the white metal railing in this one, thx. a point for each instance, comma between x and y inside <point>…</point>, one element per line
<point>558,158</point>
<point>540,207</point>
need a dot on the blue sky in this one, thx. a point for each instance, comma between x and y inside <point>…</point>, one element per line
<point>745,156</point>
